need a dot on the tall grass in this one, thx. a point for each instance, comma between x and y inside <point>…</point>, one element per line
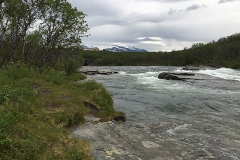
<point>37,109</point>
<point>28,128</point>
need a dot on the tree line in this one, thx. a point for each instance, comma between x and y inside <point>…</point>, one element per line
<point>225,52</point>
<point>37,32</point>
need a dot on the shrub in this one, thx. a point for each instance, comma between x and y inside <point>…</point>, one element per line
<point>14,72</point>
<point>70,67</point>
<point>54,76</point>
<point>5,93</point>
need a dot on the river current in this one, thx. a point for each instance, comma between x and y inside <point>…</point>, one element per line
<point>173,119</point>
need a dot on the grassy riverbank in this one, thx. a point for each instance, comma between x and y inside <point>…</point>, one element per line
<point>37,110</point>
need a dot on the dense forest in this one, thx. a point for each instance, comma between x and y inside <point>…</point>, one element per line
<point>225,52</point>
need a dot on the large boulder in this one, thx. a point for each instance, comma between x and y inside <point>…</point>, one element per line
<point>175,76</point>
<point>163,75</point>
<point>172,77</point>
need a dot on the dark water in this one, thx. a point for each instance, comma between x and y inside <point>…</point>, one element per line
<point>202,116</point>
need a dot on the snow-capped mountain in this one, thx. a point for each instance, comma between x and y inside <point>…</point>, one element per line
<point>86,46</point>
<point>118,48</point>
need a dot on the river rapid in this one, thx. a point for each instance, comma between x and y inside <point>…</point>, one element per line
<point>168,119</point>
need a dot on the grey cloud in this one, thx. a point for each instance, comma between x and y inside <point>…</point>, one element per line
<point>194,7</point>
<point>170,1</point>
<point>152,18</point>
<point>94,8</point>
<point>127,37</point>
<point>100,13</point>
<point>127,20</point>
<point>224,1</point>
<point>179,33</point>
<point>99,21</point>
<point>190,8</point>
<point>173,11</point>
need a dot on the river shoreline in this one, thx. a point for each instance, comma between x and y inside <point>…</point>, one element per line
<point>167,119</point>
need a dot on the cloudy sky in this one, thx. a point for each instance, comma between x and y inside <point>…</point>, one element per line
<point>158,25</point>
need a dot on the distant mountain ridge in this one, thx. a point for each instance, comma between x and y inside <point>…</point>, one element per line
<point>118,48</point>
<point>86,46</point>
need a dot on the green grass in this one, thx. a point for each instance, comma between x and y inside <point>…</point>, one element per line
<point>37,110</point>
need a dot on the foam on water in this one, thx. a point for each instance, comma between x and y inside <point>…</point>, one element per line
<point>179,128</point>
<point>225,73</point>
<point>122,73</point>
<point>150,79</point>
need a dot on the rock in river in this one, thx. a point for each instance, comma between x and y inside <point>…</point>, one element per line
<point>175,76</point>
<point>93,72</point>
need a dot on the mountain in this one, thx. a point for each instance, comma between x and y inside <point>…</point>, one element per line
<point>86,46</point>
<point>118,48</point>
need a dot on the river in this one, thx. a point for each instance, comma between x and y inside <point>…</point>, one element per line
<point>168,119</point>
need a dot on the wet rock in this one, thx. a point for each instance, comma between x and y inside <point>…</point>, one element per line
<point>109,122</point>
<point>132,141</point>
<point>120,118</point>
<point>104,72</point>
<point>175,76</point>
<point>92,119</point>
<point>94,72</point>
<point>88,72</point>
<point>149,144</point>
<point>172,77</point>
<point>163,75</point>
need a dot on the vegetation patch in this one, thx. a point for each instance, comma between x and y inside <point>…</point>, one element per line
<point>37,109</point>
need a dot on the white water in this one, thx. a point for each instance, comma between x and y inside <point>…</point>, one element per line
<point>224,73</point>
<point>149,79</point>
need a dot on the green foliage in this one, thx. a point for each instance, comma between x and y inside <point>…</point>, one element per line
<point>15,72</point>
<point>5,94</point>
<point>76,155</point>
<point>70,67</point>
<point>76,77</point>
<point>101,97</point>
<point>53,76</point>
<point>62,26</point>
<point>7,119</point>
<point>68,118</point>
<point>69,61</point>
